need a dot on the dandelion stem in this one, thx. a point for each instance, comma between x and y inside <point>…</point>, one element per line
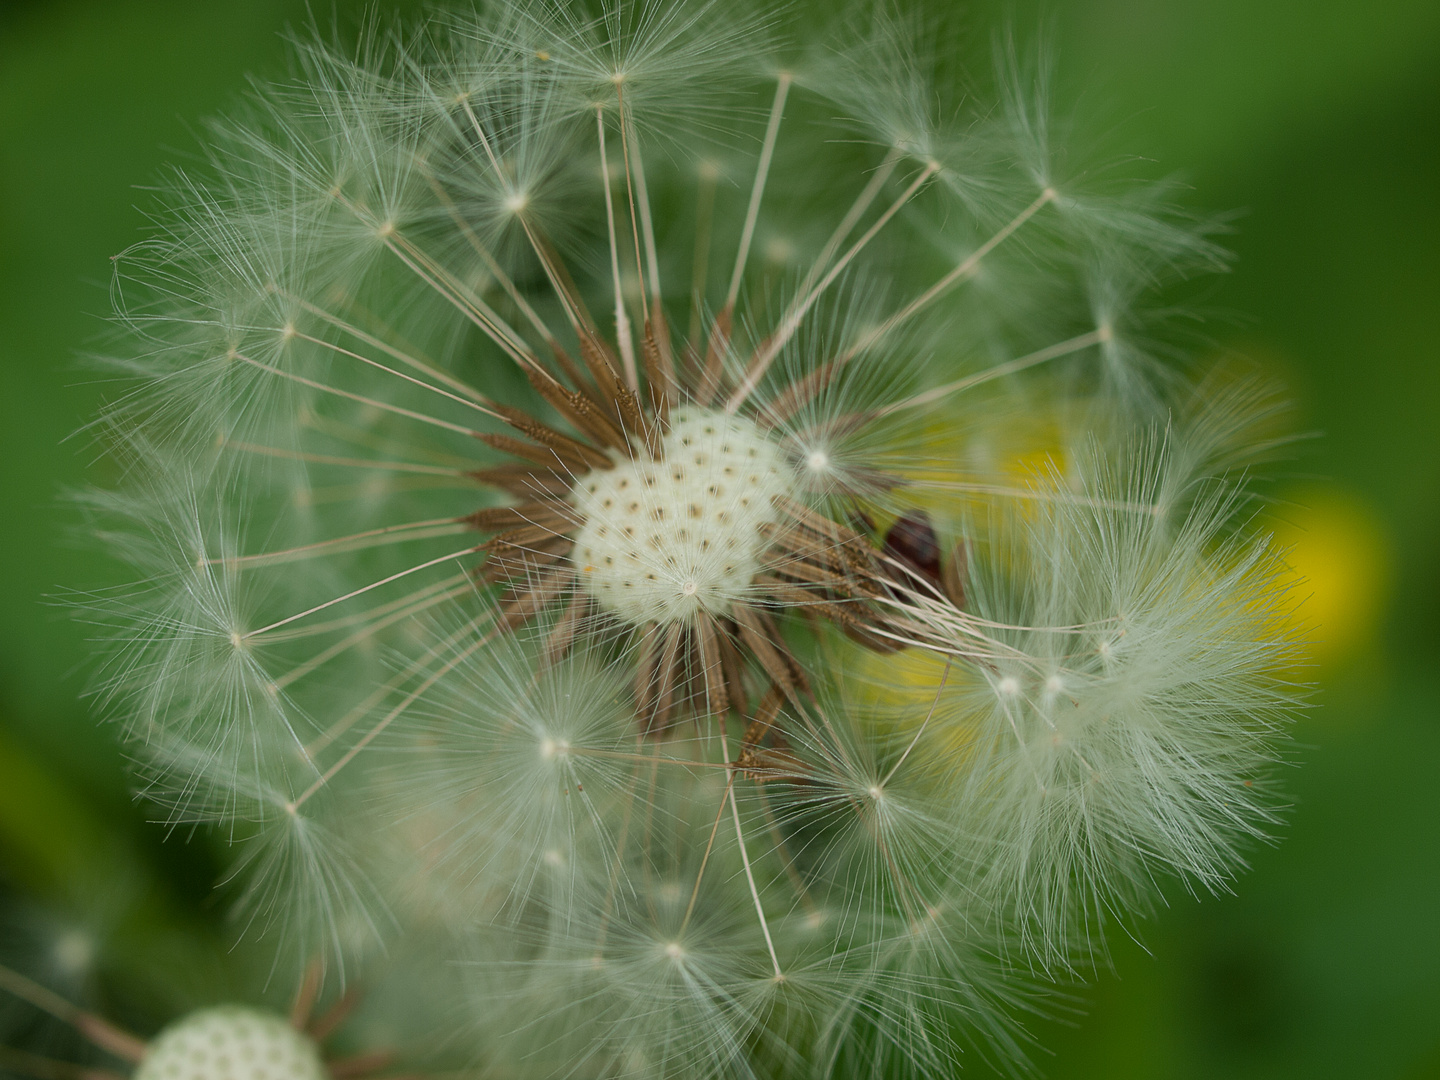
<point>370,736</point>
<point>762,171</point>
<point>962,271</point>
<point>1010,367</point>
<point>365,632</point>
<point>102,1033</point>
<point>474,309</point>
<point>447,525</point>
<point>767,353</point>
<point>750,879</point>
<point>391,350</point>
<point>1035,495</point>
<point>579,321</point>
<point>443,282</point>
<point>744,854</point>
<point>468,403</point>
<point>705,859</point>
<point>700,264</point>
<point>479,129</point>
<point>383,406</point>
<point>306,995</point>
<point>572,312</point>
<point>566,301</point>
<point>491,265</point>
<point>647,222</point>
<point>944,677</point>
<point>622,320</point>
<point>653,277</point>
<point>782,850</point>
<point>380,610</point>
<point>851,219</point>
<point>364,589</point>
<point>358,463</point>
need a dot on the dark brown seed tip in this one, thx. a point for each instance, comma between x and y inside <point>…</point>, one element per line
<point>912,540</point>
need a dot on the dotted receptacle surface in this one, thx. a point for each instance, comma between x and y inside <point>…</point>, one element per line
<point>664,539</point>
<point>231,1043</point>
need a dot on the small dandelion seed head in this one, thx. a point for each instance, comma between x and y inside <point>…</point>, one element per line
<point>231,1043</point>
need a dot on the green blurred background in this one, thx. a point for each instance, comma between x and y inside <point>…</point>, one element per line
<point>1319,120</point>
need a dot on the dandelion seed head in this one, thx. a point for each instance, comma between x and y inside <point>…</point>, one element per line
<point>509,520</point>
<point>231,1043</point>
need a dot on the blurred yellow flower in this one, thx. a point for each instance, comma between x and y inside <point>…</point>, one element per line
<point>1336,547</point>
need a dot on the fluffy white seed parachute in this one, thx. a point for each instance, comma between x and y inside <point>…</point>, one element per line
<point>602,518</point>
<point>1122,728</point>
